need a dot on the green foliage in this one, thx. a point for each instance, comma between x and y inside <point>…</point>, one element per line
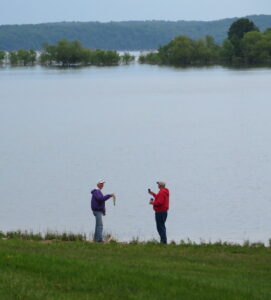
<point>134,241</point>
<point>184,51</point>
<point>67,53</point>
<point>205,51</point>
<point>66,236</point>
<point>13,58</point>
<point>246,46</point>
<point>22,57</point>
<point>25,235</point>
<point>177,52</point>
<point>2,55</point>
<point>240,27</point>
<point>22,235</point>
<point>236,33</point>
<point>48,54</point>
<point>253,48</point>
<point>227,52</point>
<point>150,58</point>
<point>105,58</point>
<point>126,58</point>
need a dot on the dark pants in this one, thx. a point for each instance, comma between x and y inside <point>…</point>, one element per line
<point>160,218</point>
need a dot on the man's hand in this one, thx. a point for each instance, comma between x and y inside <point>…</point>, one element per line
<point>104,214</point>
<point>151,202</point>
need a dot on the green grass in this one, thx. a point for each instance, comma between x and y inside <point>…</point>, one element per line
<point>83,270</point>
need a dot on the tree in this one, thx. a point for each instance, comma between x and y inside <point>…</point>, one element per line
<point>76,50</point>
<point>201,53</point>
<point>13,57</point>
<point>227,52</point>
<point>32,56</point>
<point>48,54</point>
<point>26,57</point>
<point>111,57</point>
<point>265,46</point>
<point>151,58</point>
<point>240,27</point>
<point>23,56</point>
<point>126,58</point>
<point>63,53</point>
<point>177,52</point>
<point>236,33</point>
<point>2,55</point>
<point>250,47</point>
<point>205,51</point>
<point>72,53</point>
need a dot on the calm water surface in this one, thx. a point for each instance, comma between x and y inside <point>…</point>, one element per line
<point>206,132</point>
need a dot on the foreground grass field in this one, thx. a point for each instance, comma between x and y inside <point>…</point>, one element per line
<point>82,270</point>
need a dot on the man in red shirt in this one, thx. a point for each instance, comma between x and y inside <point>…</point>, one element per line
<point>161,205</point>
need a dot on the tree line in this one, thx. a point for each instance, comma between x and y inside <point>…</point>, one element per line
<point>245,44</point>
<point>65,53</point>
<point>125,35</point>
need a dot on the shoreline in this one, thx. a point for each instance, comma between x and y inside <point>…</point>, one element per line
<point>54,236</point>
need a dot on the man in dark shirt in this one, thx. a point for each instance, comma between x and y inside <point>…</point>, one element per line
<point>98,208</point>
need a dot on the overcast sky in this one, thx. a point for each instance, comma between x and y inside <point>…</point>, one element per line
<point>40,11</point>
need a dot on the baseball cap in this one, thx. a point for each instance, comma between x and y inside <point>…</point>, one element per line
<point>101,182</point>
<point>161,183</point>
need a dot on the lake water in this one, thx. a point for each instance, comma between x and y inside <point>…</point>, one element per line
<point>205,131</point>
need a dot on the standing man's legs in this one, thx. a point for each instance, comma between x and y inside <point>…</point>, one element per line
<point>160,218</point>
<point>98,236</point>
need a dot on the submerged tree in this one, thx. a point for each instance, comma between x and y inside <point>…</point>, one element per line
<point>2,56</point>
<point>150,58</point>
<point>127,58</point>
<point>184,51</point>
<point>257,47</point>
<point>22,57</point>
<point>226,52</point>
<point>236,33</point>
<point>73,53</point>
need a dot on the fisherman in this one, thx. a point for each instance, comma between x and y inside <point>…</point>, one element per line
<point>98,208</point>
<point>160,205</point>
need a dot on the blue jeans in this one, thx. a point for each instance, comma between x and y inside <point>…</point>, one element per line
<point>98,235</point>
<point>160,218</point>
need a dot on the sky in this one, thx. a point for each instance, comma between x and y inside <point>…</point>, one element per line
<point>41,11</point>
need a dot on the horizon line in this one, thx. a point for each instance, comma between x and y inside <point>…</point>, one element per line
<point>123,21</point>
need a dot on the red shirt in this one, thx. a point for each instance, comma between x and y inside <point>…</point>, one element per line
<point>161,200</point>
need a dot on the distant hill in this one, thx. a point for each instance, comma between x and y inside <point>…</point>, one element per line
<point>126,35</point>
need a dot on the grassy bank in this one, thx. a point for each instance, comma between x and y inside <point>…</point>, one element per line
<point>83,270</point>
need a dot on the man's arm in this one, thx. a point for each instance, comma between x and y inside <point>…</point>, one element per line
<point>100,197</point>
<point>159,199</point>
